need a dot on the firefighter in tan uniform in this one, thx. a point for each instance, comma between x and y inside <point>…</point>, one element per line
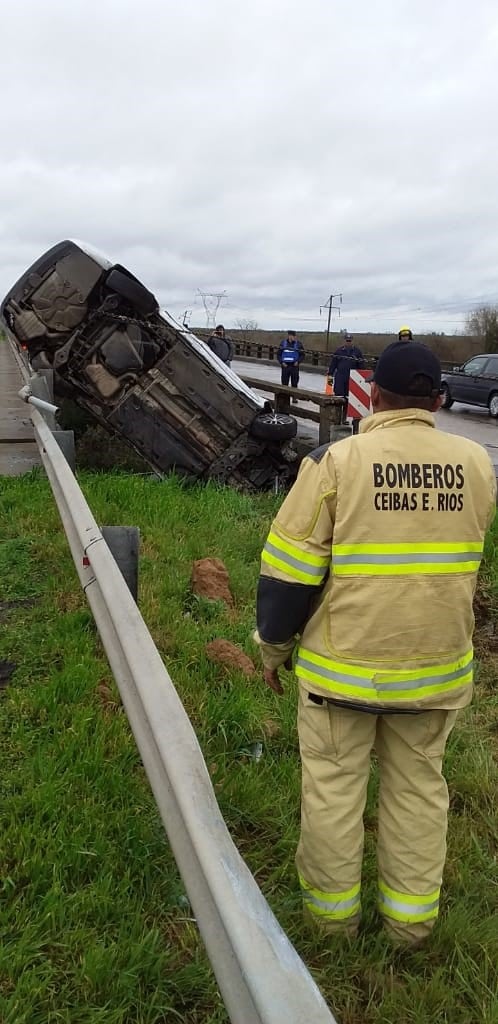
<point>370,567</point>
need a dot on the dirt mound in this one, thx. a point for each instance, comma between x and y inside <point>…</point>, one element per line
<point>210,579</point>
<point>223,652</point>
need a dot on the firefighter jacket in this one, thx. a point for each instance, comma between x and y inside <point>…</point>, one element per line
<point>373,560</point>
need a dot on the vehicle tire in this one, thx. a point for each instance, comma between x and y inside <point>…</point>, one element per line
<point>274,426</point>
<point>447,399</point>
<point>143,301</point>
<point>493,404</point>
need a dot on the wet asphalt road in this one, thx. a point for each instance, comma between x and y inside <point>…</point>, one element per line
<point>465,420</point>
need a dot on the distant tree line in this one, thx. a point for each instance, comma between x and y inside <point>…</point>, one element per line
<point>482,323</point>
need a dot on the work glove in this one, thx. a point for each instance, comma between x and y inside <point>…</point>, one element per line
<point>274,656</point>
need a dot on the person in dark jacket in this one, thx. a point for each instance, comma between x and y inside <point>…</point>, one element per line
<point>347,357</point>
<point>221,345</point>
<point>290,354</point>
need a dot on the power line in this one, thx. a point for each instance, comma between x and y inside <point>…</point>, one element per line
<point>330,306</point>
<point>211,302</point>
<point>452,306</point>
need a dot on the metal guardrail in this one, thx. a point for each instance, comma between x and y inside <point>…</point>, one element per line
<point>260,975</point>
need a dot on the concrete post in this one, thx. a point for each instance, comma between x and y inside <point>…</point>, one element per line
<point>65,440</point>
<point>123,543</point>
<point>42,386</point>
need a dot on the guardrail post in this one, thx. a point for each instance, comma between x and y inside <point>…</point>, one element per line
<point>340,430</point>
<point>331,426</point>
<point>123,543</point>
<point>65,440</point>
<point>42,386</point>
<point>325,424</point>
<point>282,403</point>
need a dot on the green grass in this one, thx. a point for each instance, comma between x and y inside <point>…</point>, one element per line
<point>94,926</point>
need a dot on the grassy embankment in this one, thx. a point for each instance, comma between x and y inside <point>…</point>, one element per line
<point>94,928</point>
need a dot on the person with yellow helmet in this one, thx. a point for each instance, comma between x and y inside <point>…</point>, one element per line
<point>405,334</point>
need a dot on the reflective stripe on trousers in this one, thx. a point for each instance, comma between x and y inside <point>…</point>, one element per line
<point>408,909</point>
<point>420,558</point>
<point>334,906</point>
<point>374,684</point>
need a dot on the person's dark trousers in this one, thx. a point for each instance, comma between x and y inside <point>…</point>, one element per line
<point>341,390</point>
<point>290,373</point>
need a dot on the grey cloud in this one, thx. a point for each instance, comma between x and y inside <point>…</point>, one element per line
<point>277,151</point>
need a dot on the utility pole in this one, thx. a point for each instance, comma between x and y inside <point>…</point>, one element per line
<point>329,304</point>
<point>211,302</point>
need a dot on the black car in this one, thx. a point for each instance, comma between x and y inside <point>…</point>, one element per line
<point>475,383</point>
<point>143,375</point>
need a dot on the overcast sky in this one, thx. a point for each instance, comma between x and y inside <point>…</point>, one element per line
<point>277,150</point>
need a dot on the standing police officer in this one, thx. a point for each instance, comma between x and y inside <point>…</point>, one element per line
<point>290,354</point>
<point>370,567</point>
<point>345,358</point>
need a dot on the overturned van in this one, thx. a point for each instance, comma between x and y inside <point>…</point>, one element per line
<point>142,375</point>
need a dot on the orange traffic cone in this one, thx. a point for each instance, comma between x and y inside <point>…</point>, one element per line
<point>329,390</point>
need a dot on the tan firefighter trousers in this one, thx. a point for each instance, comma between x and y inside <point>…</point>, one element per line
<point>336,745</point>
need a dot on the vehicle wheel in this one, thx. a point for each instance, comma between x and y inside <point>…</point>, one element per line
<point>143,301</point>
<point>274,426</point>
<point>493,404</point>
<point>447,399</point>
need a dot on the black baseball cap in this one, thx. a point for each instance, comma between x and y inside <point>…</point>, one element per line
<point>400,365</point>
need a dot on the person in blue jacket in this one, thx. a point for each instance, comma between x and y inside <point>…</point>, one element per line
<point>345,358</point>
<point>290,354</point>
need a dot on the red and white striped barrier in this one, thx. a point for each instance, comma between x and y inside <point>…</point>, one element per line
<point>359,401</point>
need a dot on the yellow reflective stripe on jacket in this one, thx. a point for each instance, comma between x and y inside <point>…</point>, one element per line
<point>427,558</point>
<point>337,906</point>
<point>410,909</point>
<point>374,684</point>
<point>294,562</point>
<point>408,548</point>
